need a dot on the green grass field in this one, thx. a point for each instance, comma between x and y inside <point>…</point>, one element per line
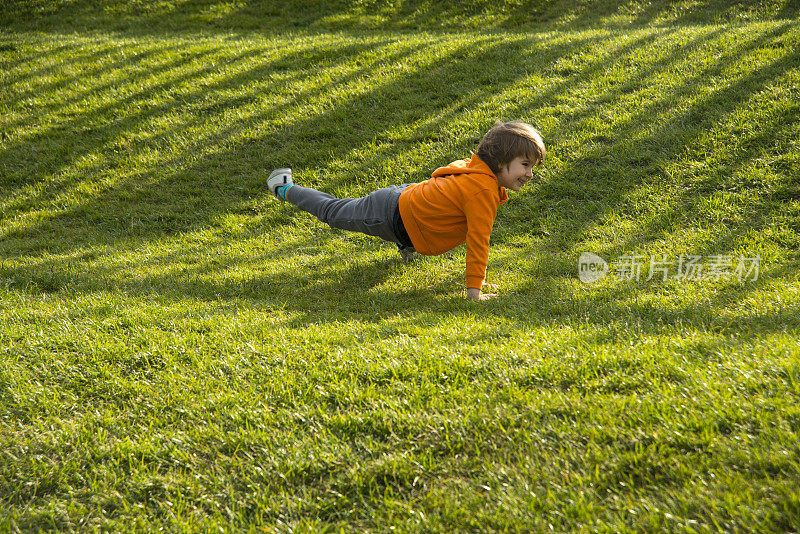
<point>181,352</point>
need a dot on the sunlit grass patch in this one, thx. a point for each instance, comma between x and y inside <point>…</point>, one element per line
<point>178,350</point>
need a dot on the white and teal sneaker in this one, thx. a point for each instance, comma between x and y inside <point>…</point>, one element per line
<point>278,181</point>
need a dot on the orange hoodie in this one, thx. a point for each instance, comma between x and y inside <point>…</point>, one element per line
<point>457,205</point>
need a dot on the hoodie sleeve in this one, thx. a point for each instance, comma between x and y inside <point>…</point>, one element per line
<point>480,212</point>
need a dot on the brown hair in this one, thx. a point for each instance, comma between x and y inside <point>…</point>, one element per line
<point>509,140</point>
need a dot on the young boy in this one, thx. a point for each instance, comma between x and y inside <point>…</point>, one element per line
<point>457,205</point>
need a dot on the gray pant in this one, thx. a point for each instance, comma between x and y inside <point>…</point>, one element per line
<point>376,214</point>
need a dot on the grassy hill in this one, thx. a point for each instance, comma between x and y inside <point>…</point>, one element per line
<point>317,15</point>
<point>179,351</point>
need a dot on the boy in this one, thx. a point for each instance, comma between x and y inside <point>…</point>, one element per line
<point>457,205</point>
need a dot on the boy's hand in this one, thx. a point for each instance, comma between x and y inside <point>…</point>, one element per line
<point>474,293</point>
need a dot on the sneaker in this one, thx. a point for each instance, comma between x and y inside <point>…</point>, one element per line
<point>279,178</point>
<point>408,254</point>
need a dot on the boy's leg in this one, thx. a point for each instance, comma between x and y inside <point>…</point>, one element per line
<point>371,215</point>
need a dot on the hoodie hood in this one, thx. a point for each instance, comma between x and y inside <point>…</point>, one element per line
<point>473,166</point>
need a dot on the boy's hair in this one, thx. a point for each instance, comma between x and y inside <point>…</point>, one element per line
<point>509,140</point>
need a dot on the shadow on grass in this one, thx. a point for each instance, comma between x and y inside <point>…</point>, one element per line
<point>188,192</point>
<point>105,129</point>
<point>373,124</point>
<point>322,289</point>
<point>264,15</point>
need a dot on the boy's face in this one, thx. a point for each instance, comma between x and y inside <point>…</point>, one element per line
<point>516,174</point>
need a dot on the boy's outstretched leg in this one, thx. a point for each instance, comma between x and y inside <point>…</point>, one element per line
<point>372,215</point>
<point>376,214</point>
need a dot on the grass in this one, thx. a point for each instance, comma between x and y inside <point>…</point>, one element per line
<point>178,351</point>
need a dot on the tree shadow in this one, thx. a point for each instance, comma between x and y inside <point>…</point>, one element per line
<point>259,15</point>
<point>635,151</point>
<point>104,124</point>
<point>219,182</point>
<point>376,120</point>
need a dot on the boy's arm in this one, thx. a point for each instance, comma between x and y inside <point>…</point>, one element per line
<point>480,213</point>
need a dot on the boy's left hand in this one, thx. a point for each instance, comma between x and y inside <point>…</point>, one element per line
<point>475,293</point>
<point>491,287</point>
